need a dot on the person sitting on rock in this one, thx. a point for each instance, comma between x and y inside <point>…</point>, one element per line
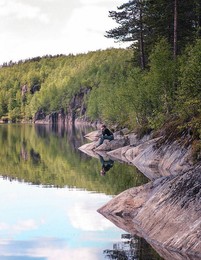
<point>106,135</point>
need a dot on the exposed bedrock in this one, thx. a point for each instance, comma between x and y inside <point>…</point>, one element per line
<point>153,157</point>
<point>166,212</point>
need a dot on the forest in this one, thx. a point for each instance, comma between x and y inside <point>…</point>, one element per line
<point>156,82</point>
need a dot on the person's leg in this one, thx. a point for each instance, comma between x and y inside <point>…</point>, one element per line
<point>105,137</point>
<point>101,140</point>
<point>110,138</point>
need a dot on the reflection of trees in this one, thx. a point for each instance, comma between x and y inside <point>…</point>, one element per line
<point>23,151</point>
<point>132,248</point>
<point>116,254</point>
<point>75,136</point>
<point>44,130</point>
<point>43,156</point>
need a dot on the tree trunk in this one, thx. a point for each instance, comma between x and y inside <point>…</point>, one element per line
<point>199,19</point>
<point>142,54</point>
<point>175,27</point>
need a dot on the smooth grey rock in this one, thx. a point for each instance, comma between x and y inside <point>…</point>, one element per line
<point>166,212</point>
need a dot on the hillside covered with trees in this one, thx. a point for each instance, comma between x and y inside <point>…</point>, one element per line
<point>155,82</point>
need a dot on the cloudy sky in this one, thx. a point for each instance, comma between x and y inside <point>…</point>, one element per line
<point>32,28</point>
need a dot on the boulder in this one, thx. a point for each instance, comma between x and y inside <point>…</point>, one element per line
<point>119,154</point>
<point>166,212</point>
<point>93,136</point>
<point>112,145</point>
<point>89,149</point>
<point>155,158</point>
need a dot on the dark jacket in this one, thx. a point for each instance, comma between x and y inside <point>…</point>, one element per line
<point>107,132</point>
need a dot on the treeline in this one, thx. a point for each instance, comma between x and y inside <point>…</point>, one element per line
<point>38,58</point>
<point>120,92</point>
<point>164,89</point>
<point>50,83</point>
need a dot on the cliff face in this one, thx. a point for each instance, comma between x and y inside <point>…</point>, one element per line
<point>53,118</point>
<point>77,107</point>
<point>75,110</point>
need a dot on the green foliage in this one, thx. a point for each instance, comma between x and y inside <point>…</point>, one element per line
<point>160,82</point>
<point>189,92</point>
<point>117,91</point>
<point>143,22</point>
<point>51,83</point>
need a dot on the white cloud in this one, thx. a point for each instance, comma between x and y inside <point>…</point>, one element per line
<point>19,10</point>
<point>108,2</point>
<point>48,1</point>
<point>88,19</point>
<point>94,2</point>
<point>86,28</point>
<point>41,27</point>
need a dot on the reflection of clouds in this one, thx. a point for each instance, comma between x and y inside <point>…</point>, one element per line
<point>20,226</point>
<point>46,248</point>
<point>86,219</point>
<point>80,235</point>
<point>84,216</point>
<point>67,253</point>
<point>3,226</point>
<point>28,224</point>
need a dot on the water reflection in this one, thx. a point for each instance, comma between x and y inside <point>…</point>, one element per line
<point>51,223</point>
<point>49,156</point>
<point>131,247</point>
<point>106,164</point>
<point>56,217</point>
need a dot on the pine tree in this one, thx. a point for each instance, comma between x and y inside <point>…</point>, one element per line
<point>131,26</point>
<point>143,22</point>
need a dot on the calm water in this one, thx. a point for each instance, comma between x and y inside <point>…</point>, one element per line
<point>49,196</point>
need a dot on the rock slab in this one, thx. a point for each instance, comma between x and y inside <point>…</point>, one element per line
<point>166,212</point>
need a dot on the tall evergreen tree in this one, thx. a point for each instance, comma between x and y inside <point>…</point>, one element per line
<point>131,26</point>
<point>143,22</point>
<point>172,19</point>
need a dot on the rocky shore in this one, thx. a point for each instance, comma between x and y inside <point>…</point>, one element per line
<point>166,211</point>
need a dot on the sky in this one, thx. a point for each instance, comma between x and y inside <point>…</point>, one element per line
<point>31,28</point>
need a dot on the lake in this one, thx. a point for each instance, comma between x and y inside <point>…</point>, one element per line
<point>50,193</point>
